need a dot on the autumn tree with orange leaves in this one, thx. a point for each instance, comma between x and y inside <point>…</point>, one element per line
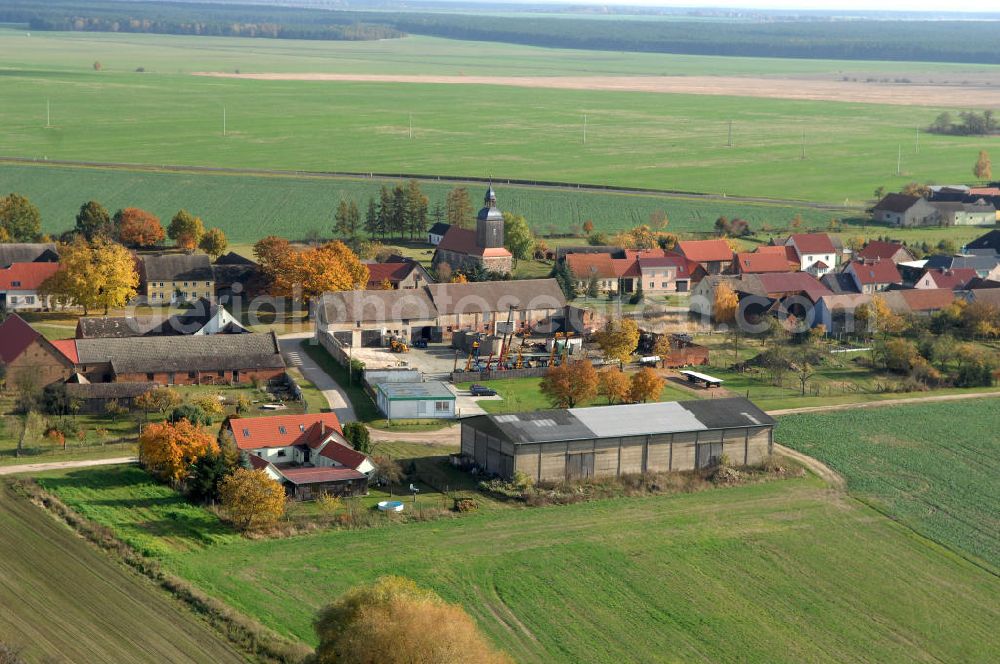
<point>613,384</point>
<point>169,450</point>
<point>570,383</point>
<point>252,499</point>
<point>331,267</point>
<point>139,228</point>
<point>645,385</point>
<point>186,229</point>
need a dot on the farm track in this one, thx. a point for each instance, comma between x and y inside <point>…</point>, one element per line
<point>428,178</point>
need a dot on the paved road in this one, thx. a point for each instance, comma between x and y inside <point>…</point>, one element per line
<point>62,465</point>
<point>295,356</point>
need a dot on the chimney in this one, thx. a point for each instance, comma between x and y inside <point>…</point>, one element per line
<point>322,427</point>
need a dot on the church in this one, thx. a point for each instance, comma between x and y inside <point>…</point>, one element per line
<point>465,250</point>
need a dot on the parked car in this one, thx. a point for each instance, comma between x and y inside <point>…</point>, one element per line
<point>482,391</point>
<point>420,343</point>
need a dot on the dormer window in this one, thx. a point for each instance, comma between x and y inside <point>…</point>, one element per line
<point>302,428</point>
<point>246,433</point>
<point>281,430</point>
<point>15,284</point>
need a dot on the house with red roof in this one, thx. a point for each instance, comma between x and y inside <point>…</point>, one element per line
<point>953,279</point>
<point>871,277</point>
<point>401,274</point>
<point>670,273</point>
<point>19,284</point>
<point>27,355</point>
<point>815,252</point>
<point>307,454</point>
<point>763,262</point>
<point>714,256</point>
<point>596,267</point>
<point>879,250</point>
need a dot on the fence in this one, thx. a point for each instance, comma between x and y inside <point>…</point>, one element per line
<point>493,374</point>
<point>334,347</point>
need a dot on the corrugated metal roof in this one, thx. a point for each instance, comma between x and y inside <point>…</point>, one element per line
<point>401,391</point>
<point>637,419</point>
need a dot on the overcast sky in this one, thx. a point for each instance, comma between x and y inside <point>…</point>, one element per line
<point>870,5</point>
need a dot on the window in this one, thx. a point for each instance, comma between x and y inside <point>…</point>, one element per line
<point>220,374</point>
<point>282,430</point>
<point>281,453</point>
<point>441,406</point>
<point>150,376</point>
<point>185,284</point>
<point>29,299</point>
<point>664,284</point>
<point>15,284</point>
<point>302,428</point>
<point>246,433</point>
<point>192,374</point>
<point>207,284</point>
<point>652,284</point>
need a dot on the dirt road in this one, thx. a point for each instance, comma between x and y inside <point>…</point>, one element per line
<point>902,94</point>
<point>887,402</point>
<point>62,465</point>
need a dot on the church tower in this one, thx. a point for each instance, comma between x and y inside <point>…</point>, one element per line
<point>489,223</point>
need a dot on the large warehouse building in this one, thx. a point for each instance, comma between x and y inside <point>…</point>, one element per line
<point>615,440</point>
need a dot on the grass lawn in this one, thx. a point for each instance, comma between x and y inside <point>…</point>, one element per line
<point>714,576</point>
<point>932,466</point>
<point>66,601</point>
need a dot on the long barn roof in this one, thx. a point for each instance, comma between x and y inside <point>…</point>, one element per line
<point>643,419</point>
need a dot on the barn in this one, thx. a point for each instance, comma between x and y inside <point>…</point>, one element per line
<point>577,443</point>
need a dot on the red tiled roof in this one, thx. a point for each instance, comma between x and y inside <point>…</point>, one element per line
<point>27,276</point>
<point>257,462</point>
<point>586,265</point>
<point>705,251</point>
<point>927,299</point>
<point>463,241</point>
<point>15,336</point>
<point>761,262</point>
<point>985,191</point>
<point>626,267</point>
<point>878,272</point>
<point>394,272</point>
<point>878,250</point>
<point>253,433</point>
<point>952,279</point>
<point>777,283</point>
<point>324,474</point>
<point>68,348</point>
<point>632,254</point>
<point>812,243</point>
<point>345,456</point>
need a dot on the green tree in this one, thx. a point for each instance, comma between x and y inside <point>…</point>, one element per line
<point>385,211</point>
<point>564,276</point>
<point>347,219</point>
<point>213,242</point>
<point>458,208</point>
<point>518,239</point>
<point>358,436</point>
<point>93,220</point>
<point>984,168</point>
<point>416,209</point>
<point>186,229</point>
<point>372,219</point>
<point>19,218</point>
<point>397,218</point>
<point>593,287</point>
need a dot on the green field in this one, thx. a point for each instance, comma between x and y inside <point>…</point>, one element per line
<point>932,466</point>
<point>249,207</point>
<point>775,572</point>
<point>672,142</point>
<point>66,601</point>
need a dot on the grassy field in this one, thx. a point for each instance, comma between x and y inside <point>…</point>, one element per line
<point>931,466</point>
<point>662,141</point>
<point>65,601</point>
<point>719,575</point>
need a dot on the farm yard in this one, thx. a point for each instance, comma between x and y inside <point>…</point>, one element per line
<point>75,604</point>
<point>773,563</point>
<point>931,466</point>
<point>663,141</point>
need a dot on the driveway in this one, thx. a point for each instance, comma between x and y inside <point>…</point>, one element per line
<point>293,350</point>
<point>62,465</point>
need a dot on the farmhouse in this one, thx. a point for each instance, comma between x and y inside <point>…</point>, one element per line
<point>204,317</point>
<point>415,399</point>
<point>307,454</point>
<point>761,262</point>
<point>940,278</point>
<point>664,274</point>
<point>983,261</point>
<point>878,250</point>
<point>171,278</point>
<point>400,274</point>
<point>27,355</point>
<point>905,211</point>
<point>617,440</point>
<point>181,360</point>
<point>815,252</point>
<point>462,249</point>
<point>978,213</point>
<point>838,312</point>
<point>19,284</point>
<point>436,311</point>
<point>714,256</point>
<point>94,398</point>
<point>873,276</point>
<point>236,276</point>
<point>593,266</point>
<point>437,232</point>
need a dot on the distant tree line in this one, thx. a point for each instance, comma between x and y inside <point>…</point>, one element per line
<point>189,19</point>
<point>969,123</point>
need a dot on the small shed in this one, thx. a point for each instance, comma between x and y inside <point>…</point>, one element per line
<point>429,399</point>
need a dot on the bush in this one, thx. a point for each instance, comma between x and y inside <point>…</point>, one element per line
<point>192,413</point>
<point>466,505</point>
<point>358,436</point>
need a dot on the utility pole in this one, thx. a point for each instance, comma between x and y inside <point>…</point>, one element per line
<point>48,114</point>
<point>411,125</point>
<point>729,143</point>
<point>584,128</point>
<point>802,155</point>
<point>916,147</point>
<point>223,120</point>
<point>899,161</point>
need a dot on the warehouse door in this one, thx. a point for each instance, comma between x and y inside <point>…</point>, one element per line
<point>708,454</point>
<point>579,466</point>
